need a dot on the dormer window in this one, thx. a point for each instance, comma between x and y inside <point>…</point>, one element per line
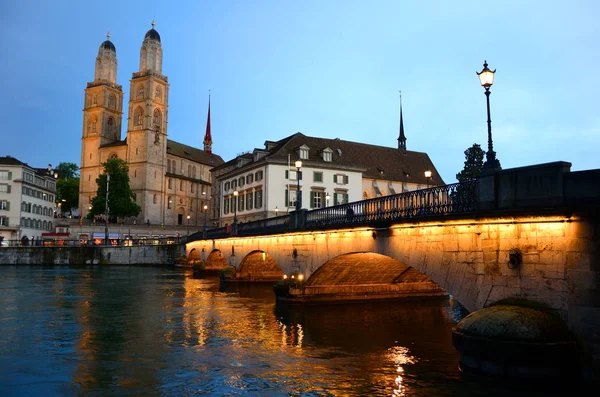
<point>303,152</point>
<point>327,154</point>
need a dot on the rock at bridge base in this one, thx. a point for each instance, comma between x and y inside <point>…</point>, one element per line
<point>514,342</point>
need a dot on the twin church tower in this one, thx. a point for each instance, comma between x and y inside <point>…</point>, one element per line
<point>170,181</point>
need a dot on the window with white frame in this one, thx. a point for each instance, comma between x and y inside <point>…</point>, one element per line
<point>317,198</point>
<point>340,179</point>
<point>303,152</point>
<point>258,198</point>
<point>249,198</point>
<point>340,197</point>
<point>3,221</point>
<point>290,198</point>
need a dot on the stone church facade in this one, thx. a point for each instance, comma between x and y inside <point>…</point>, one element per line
<point>170,180</point>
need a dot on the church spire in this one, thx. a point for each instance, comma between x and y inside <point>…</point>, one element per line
<point>402,137</point>
<point>207,137</point>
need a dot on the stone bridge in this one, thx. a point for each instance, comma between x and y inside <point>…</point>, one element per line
<point>533,234</point>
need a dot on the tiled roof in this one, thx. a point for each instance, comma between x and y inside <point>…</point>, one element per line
<point>377,162</point>
<point>8,160</point>
<point>192,153</point>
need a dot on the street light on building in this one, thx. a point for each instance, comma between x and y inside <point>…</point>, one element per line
<point>188,228</point>
<point>486,79</point>
<point>276,211</point>
<point>205,212</point>
<point>235,195</point>
<point>298,164</point>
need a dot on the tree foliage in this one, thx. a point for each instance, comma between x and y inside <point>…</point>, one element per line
<point>121,201</point>
<point>67,193</point>
<point>68,170</point>
<point>67,186</point>
<point>473,163</point>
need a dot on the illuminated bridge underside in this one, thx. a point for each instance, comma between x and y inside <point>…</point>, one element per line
<point>258,266</point>
<point>215,261</point>
<point>366,275</point>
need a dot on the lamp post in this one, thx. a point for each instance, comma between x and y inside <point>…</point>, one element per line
<point>428,177</point>
<point>486,79</point>
<point>234,229</point>
<point>298,164</point>
<point>205,212</point>
<point>327,197</point>
<point>276,211</point>
<point>188,228</point>
<point>107,212</point>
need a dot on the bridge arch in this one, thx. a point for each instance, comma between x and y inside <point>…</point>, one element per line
<point>193,257</point>
<point>258,265</point>
<point>359,274</point>
<point>215,260</point>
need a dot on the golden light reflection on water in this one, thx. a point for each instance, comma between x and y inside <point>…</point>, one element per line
<point>400,358</point>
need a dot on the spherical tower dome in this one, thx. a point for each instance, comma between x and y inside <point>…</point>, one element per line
<point>151,52</point>
<point>106,62</point>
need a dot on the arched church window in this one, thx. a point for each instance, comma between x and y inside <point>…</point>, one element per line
<point>112,101</point>
<point>93,125</point>
<point>154,199</point>
<point>157,119</point>
<point>94,100</point>
<point>140,92</point>
<point>138,116</point>
<point>110,124</point>
<point>158,92</point>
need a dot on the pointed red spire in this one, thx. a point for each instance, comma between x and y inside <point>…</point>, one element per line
<point>207,137</point>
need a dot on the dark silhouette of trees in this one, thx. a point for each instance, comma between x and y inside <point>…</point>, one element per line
<point>473,163</point>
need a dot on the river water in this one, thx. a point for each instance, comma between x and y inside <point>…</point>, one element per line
<point>151,331</point>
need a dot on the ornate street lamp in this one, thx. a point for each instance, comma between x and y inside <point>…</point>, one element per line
<point>428,177</point>
<point>298,164</point>
<point>486,78</point>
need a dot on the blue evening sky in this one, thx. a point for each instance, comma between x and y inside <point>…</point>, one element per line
<point>325,68</point>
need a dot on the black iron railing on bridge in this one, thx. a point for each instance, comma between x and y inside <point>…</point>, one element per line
<point>456,198</point>
<point>440,200</point>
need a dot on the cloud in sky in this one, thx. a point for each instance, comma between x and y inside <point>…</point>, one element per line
<point>328,69</point>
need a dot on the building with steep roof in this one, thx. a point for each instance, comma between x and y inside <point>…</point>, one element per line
<point>264,183</point>
<point>170,180</point>
<point>27,200</point>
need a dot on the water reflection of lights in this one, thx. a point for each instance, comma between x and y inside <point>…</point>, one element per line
<point>400,357</point>
<point>292,335</point>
